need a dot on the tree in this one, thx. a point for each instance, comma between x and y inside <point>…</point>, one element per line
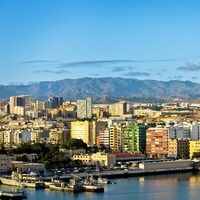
<point>75,144</point>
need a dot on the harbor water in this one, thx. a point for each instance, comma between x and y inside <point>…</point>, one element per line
<point>183,186</point>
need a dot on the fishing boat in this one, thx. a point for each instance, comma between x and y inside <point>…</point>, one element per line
<point>19,194</point>
<point>103,181</point>
<point>91,185</point>
<point>16,179</point>
<point>75,185</point>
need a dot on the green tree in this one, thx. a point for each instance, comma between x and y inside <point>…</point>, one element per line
<point>75,144</point>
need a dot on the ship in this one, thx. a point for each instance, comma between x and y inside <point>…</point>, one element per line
<point>74,185</point>
<point>91,185</point>
<point>16,179</point>
<point>15,195</point>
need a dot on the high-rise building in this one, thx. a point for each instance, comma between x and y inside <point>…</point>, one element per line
<point>157,142</point>
<point>178,148</point>
<point>135,138</point>
<point>18,103</point>
<point>118,109</point>
<point>84,108</point>
<point>180,131</point>
<point>54,102</point>
<point>116,130</point>
<point>195,131</point>
<point>85,130</point>
<point>103,135</point>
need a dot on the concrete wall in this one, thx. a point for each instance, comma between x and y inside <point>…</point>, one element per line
<point>166,165</point>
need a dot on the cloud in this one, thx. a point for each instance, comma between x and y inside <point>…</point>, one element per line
<point>194,77</point>
<point>100,63</point>
<point>58,72</point>
<point>93,74</point>
<point>190,67</point>
<point>137,74</point>
<point>175,77</point>
<point>92,63</point>
<point>118,69</point>
<point>38,61</point>
<point>121,68</point>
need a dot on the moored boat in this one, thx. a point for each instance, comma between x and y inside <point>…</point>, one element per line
<point>91,185</point>
<point>20,194</point>
<point>101,180</point>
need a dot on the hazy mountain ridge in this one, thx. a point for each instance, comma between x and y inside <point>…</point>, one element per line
<point>106,87</point>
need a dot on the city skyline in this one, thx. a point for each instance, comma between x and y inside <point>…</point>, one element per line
<point>53,40</point>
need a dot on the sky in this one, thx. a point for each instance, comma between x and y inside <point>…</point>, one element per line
<point>48,40</point>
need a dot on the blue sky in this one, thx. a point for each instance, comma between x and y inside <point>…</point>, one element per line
<point>57,39</point>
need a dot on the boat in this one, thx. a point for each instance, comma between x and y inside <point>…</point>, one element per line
<point>19,194</point>
<point>103,181</point>
<point>14,182</point>
<point>93,188</point>
<point>91,185</point>
<point>57,187</point>
<point>16,179</point>
<point>75,185</point>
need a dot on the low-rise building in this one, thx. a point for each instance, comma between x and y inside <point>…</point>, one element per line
<point>5,162</point>
<point>182,164</point>
<point>103,159</point>
<point>194,146</point>
<point>178,148</point>
<point>27,167</point>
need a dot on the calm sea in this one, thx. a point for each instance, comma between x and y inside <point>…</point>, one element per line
<point>184,186</point>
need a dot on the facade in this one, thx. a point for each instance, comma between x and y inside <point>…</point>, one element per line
<point>178,148</point>
<point>103,135</point>
<point>27,167</point>
<point>195,131</point>
<point>157,142</point>
<point>167,165</point>
<point>102,159</point>
<point>84,108</point>
<point>85,130</point>
<point>118,109</point>
<point>18,104</point>
<point>194,146</point>
<point>135,138</point>
<point>58,136</point>
<point>180,131</point>
<point>54,102</point>
<point>5,162</point>
<point>117,136</point>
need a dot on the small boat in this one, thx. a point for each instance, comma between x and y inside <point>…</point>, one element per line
<point>19,194</point>
<point>101,180</point>
<point>58,186</point>
<point>93,188</point>
<point>91,185</point>
<point>75,185</point>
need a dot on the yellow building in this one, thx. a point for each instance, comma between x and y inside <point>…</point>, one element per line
<point>103,159</point>
<point>194,146</point>
<point>178,148</point>
<point>118,109</point>
<point>84,130</point>
<point>117,136</point>
<point>58,136</point>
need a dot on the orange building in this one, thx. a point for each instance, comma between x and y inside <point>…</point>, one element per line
<point>157,142</point>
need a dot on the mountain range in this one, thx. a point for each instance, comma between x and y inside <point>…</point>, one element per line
<point>105,89</point>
